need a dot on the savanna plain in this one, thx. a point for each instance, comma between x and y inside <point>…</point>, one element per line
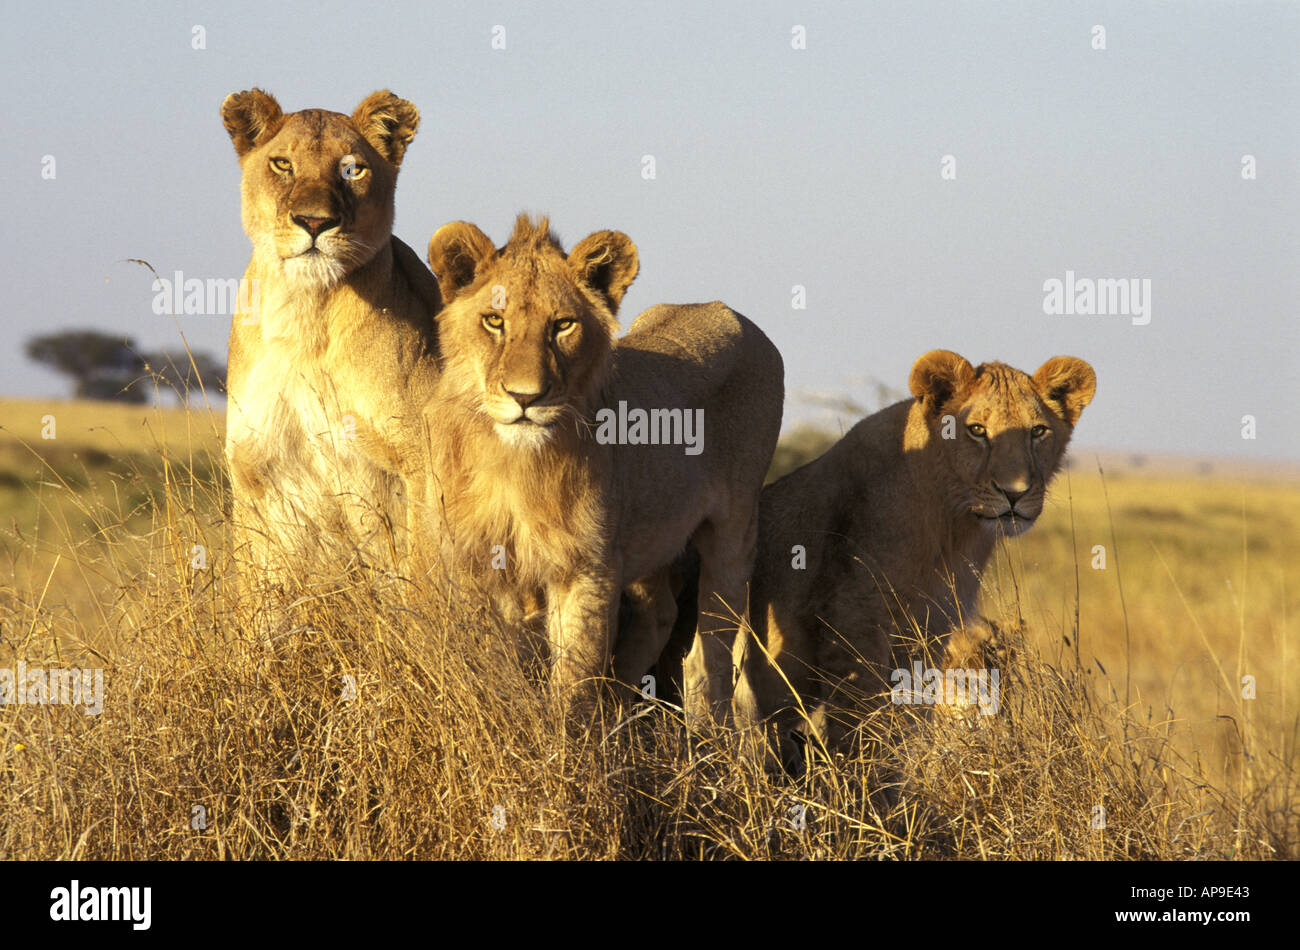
<point>1148,690</point>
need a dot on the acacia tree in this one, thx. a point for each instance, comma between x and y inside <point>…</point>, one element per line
<point>101,366</point>
<point>110,367</point>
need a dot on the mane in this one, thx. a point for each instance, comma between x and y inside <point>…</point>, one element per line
<point>542,504</point>
<point>531,239</point>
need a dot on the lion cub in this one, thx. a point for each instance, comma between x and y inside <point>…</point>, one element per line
<point>889,531</point>
<point>578,465</point>
<point>331,365</point>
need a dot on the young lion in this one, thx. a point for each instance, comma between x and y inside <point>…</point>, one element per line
<point>537,492</point>
<point>330,370</point>
<point>896,522</point>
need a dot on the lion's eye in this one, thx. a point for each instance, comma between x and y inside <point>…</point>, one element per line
<point>282,165</point>
<point>563,324</point>
<point>976,430</point>
<point>494,321</point>
<point>1038,431</point>
<point>350,168</point>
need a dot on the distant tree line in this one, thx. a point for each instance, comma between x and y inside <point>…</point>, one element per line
<point>112,367</point>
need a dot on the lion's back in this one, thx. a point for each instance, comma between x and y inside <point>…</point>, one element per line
<point>699,349</point>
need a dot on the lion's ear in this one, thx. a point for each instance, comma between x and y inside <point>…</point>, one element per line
<point>388,122</point>
<point>251,117</point>
<point>938,375</point>
<point>1067,384</point>
<point>607,263</point>
<point>455,251</point>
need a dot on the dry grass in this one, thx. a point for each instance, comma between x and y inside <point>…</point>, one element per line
<point>448,750</point>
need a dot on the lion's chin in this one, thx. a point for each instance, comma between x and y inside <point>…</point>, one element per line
<point>524,434</point>
<point>314,269</point>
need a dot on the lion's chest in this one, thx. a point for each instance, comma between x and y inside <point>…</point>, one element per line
<point>518,530</point>
<point>291,434</point>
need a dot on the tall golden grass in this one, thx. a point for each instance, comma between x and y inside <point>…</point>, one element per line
<point>395,726</point>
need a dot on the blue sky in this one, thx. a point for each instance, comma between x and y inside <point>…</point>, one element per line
<point>774,167</point>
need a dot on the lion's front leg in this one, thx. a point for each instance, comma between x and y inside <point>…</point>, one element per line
<point>261,579</point>
<point>644,629</point>
<point>580,620</point>
<point>727,547</point>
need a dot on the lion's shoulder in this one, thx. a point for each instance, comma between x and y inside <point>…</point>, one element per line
<point>415,276</point>
<point>700,347</point>
<point>685,327</point>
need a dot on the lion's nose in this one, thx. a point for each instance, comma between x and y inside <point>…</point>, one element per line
<point>314,226</point>
<point>1013,492</point>
<point>525,399</point>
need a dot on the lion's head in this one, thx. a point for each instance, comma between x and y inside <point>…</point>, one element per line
<point>527,331</point>
<point>1001,433</point>
<point>318,186</point>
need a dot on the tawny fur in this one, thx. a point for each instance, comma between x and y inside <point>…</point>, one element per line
<point>328,379</point>
<point>897,523</point>
<point>576,519</point>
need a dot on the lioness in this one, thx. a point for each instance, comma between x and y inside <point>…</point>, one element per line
<point>538,492</point>
<point>330,372</point>
<point>892,528</point>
